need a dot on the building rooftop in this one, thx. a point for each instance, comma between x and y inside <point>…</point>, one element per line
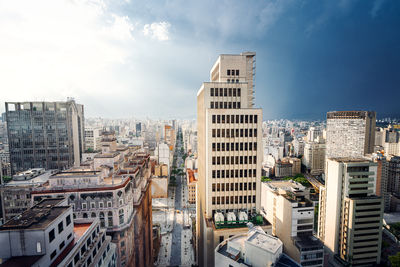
<point>37,217</point>
<point>264,241</point>
<point>285,185</point>
<point>40,179</point>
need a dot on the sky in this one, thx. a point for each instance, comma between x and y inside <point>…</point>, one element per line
<point>147,59</point>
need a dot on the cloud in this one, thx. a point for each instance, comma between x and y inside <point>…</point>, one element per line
<point>157,30</point>
<point>376,6</point>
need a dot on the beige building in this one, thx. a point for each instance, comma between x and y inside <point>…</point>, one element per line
<point>350,214</point>
<point>350,133</point>
<point>229,152</point>
<point>287,206</point>
<point>314,157</point>
<point>93,138</point>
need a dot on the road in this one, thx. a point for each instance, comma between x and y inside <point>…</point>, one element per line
<point>176,247</point>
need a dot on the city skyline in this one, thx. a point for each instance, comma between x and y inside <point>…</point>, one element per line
<point>330,56</point>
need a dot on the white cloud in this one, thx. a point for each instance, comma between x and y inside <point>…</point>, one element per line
<point>157,30</point>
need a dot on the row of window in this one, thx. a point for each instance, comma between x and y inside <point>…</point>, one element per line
<point>234,118</point>
<point>233,200</point>
<point>232,133</point>
<point>252,146</point>
<point>234,160</point>
<point>222,187</point>
<point>225,91</point>
<point>232,72</point>
<point>52,234</point>
<point>225,105</point>
<point>234,173</point>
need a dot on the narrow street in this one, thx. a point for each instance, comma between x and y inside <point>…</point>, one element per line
<point>176,247</point>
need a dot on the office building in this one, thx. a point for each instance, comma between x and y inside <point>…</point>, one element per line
<point>138,129</point>
<point>350,214</point>
<point>46,135</point>
<point>350,133</point>
<point>47,235</point>
<point>287,206</point>
<point>230,153</point>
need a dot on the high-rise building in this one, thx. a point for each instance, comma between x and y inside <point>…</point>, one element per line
<point>229,153</point>
<point>350,133</point>
<point>287,206</point>
<point>350,214</point>
<point>46,135</point>
<point>138,129</point>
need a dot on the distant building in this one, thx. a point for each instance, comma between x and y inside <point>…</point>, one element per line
<point>283,169</point>
<point>16,194</point>
<point>93,138</point>
<point>350,214</point>
<point>47,235</point>
<point>296,165</point>
<point>314,157</point>
<point>254,248</point>
<point>46,135</point>
<point>138,129</point>
<point>298,147</point>
<point>287,206</point>
<point>350,133</point>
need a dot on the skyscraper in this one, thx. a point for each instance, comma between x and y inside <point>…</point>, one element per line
<point>45,134</point>
<point>350,133</point>
<point>229,153</point>
<point>350,214</point>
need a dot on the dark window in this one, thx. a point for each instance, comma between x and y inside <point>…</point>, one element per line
<point>230,92</point>
<point>255,118</point>
<point>228,72</point>
<point>60,227</point>
<point>251,118</point>
<point>237,72</point>
<point>234,105</point>
<point>216,92</point>
<point>62,244</point>
<point>212,105</point>
<point>213,118</point>
<point>230,105</point>
<point>68,220</point>
<point>238,105</point>
<point>225,92</point>
<point>225,105</point>
<point>221,238</point>
<point>238,92</point>
<point>221,92</point>
<point>218,119</point>
<point>52,235</point>
<point>213,132</point>
<point>212,91</point>
<point>53,254</point>
<point>234,91</point>
<point>213,174</point>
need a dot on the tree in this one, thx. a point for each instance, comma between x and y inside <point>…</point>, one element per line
<point>265,179</point>
<point>395,260</point>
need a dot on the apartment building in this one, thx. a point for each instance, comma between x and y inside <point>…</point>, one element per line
<point>229,153</point>
<point>47,235</point>
<point>350,133</point>
<point>115,188</point>
<point>46,135</point>
<point>287,206</point>
<point>314,157</point>
<point>350,214</point>
<point>93,138</point>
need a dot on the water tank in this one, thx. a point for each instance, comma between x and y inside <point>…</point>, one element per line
<point>218,217</point>
<point>231,217</point>
<point>243,216</point>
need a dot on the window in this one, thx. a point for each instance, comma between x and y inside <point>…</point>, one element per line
<point>109,204</point>
<point>221,238</point>
<point>225,92</point>
<point>68,220</point>
<point>69,236</point>
<point>213,118</point>
<point>84,206</point>
<point>60,227</point>
<point>211,91</point>
<point>53,254</point>
<point>62,244</point>
<point>38,247</point>
<point>238,90</point>
<point>237,72</point>
<point>234,91</point>
<point>212,104</point>
<point>52,235</point>
<point>121,216</point>
<point>92,205</point>
<point>101,205</point>
<point>228,72</point>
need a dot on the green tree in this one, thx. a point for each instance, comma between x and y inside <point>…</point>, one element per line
<point>395,260</point>
<point>265,179</point>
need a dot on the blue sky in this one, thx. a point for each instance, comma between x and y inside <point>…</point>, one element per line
<point>141,59</point>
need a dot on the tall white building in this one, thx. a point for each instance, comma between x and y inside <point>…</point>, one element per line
<point>350,133</point>
<point>229,152</point>
<point>314,157</point>
<point>350,214</point>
